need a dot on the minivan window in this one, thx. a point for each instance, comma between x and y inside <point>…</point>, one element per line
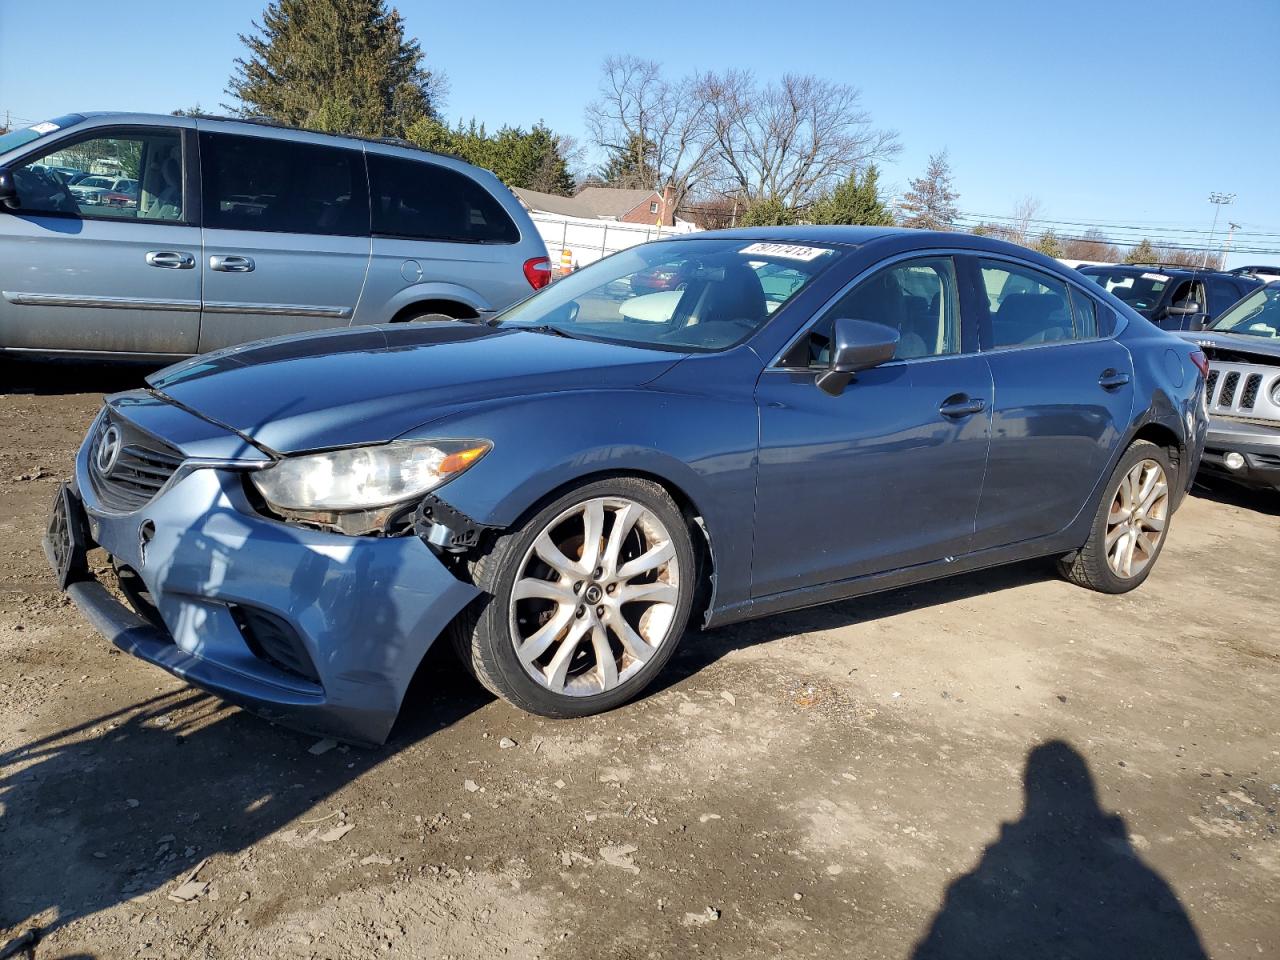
<point>421,200</point>
<point>1026,306</point>
<point>282,186</point>
<point>126,177</point>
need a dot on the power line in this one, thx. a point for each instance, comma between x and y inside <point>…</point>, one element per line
<point>1106,225</point>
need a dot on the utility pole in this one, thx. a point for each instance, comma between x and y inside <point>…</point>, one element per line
<point>1226,247</point>
<point>1219,200</point>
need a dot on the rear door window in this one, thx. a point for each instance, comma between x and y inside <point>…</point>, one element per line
<point>1086,314</point>
<point>420,200</point>
<point>1026,306</point>
<point>283,186</point>
<point>1222,294</point>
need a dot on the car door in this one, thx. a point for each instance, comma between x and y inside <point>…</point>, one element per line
<point>887,474</point>
<point>1063,399</point>
<point>76,274</point>
<point>286,236</point>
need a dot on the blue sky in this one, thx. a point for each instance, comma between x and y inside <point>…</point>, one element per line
<point>1121,112</point>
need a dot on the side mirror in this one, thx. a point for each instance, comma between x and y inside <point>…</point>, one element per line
<point>856,345</point>
<point>1185,308</point>
<point>8,190</point>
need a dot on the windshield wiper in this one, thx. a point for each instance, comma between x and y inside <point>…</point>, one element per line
<point>547,328</point>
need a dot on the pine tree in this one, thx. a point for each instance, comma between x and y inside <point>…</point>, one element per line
<point>1049,245</point>
<point>769,213</point>
<point>630,165</point>
<point>339,65</point>
<point>531,159</point>
<point>854,201</point>
<point>930,204</point>
<point>1144,252</point>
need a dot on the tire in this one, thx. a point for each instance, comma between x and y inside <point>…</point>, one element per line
<point>1100,565</point>
<point>429,318</point>
<point>653,604</point>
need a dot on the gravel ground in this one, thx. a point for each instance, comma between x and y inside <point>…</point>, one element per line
<point>1001,765</point>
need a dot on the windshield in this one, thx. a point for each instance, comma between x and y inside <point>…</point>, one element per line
<point>685,295</point>
<point>1257,315</point>
<point>1139,289</point>
<point>16,138</point>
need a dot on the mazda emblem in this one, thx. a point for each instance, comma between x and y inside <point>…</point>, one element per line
<point>108,451</point>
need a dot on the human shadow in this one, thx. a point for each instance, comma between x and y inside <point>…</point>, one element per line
<point>1061,883</point>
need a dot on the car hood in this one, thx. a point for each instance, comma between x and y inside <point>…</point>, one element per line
<point>1232,346</point>
<point>371,384</point>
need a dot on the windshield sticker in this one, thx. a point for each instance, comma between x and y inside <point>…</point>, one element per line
<point>1155,276</point>
<point>788,251</point>
<point>43,128</point>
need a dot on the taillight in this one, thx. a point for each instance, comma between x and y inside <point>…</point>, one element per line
<point>1201,362</point>
<point>538,272</point>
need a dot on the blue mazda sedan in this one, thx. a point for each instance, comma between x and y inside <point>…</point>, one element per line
<point>720,426</point>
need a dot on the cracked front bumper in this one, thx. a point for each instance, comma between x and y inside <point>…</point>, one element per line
<point>311,629</point>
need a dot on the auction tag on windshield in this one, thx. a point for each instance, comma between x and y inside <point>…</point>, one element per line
<point>1155,276</point>
<point>788,251</point>
<point>44,127</point>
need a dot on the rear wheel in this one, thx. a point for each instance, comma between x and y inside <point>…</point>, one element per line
<point>586,601</point>
<point>1130,526</point>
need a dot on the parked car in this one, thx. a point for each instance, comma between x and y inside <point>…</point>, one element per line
<point>1173,297</point>
<point>1242,390</point>
<point>274,231</point>
<point>94,189</point>
<point>298,520</point>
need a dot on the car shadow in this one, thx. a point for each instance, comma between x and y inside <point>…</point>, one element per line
<point>1232,494</point>
<point>58,375</point>
<point>129,802</point>
<point>1061,882</point>
<point>701,648</point>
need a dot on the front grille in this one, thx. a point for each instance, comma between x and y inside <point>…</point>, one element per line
<point>1251,386</point>
<point>1209,384</point>
<point>1228,395</point>
<point>143,467</point>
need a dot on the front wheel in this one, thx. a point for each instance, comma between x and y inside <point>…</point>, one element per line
<point>1130,526</point>
<point>585,602</point>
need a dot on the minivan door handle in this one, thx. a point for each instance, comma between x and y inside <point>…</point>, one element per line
<point>958,406</point>
<point>170,259</point>
<point>1112,379</point>
<point>231,264</point>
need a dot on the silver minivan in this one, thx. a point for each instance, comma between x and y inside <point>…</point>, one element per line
<point>213,232</point>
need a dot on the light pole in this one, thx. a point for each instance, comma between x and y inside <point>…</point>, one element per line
<point>1226,247</point>
<point>1219,200</point>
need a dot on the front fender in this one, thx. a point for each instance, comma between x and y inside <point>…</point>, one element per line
<point>703,447</point>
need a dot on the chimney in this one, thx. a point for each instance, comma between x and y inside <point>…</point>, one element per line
<point>668,205</point>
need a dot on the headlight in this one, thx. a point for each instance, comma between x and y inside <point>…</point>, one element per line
<point>1275,393</point>
<point>364,478</point>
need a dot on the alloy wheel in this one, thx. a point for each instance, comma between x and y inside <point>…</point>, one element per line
<point>1137,519</point>
<point>595,596</point>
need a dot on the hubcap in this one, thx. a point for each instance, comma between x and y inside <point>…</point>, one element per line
<point>1137,519</point>
<point>595,597</point>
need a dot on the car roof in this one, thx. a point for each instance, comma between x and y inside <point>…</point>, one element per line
<point>1171,269</point>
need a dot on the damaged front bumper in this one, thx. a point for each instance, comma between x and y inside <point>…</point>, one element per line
<point>315,630</point>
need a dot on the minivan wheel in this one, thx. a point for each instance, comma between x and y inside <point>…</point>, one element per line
<point>585,602</point>
<point>1130,526</point>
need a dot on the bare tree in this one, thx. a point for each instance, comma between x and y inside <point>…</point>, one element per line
<point>930,204</point>
<point>1091,245</point>
<point>1022,223</point>
<point>788,141</point>
<point>653,129</point>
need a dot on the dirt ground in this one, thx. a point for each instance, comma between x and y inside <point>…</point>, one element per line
<point>1001,765</point>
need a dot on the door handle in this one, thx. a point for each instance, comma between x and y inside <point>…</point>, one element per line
<point>1112,379</point>
<point>231,264</point>
<point>170,259</point>
<point>959,406</point>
